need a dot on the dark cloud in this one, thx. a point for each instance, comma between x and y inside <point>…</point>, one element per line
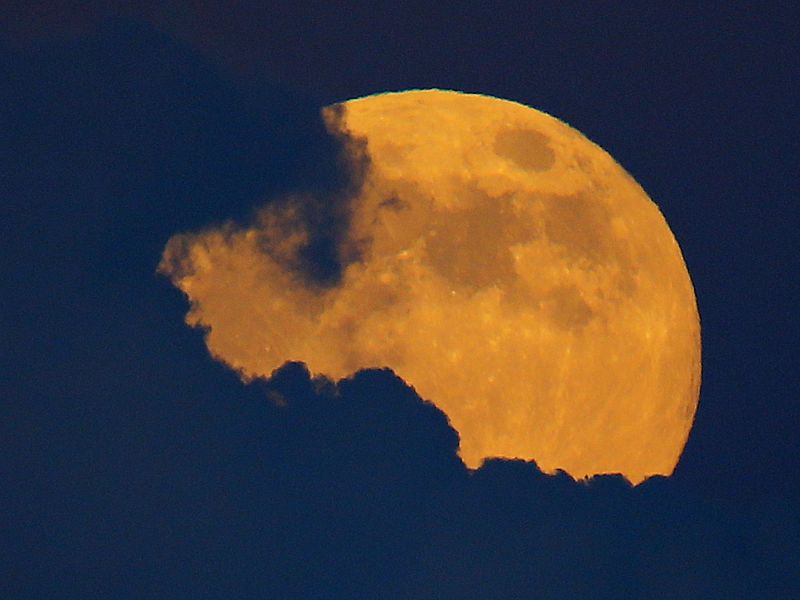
<point>133,466</point>
<point>322,216</point>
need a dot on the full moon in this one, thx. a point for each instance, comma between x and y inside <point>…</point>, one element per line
<point>498,261</point>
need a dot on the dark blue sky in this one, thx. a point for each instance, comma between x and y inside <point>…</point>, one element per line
<point>134,466</point>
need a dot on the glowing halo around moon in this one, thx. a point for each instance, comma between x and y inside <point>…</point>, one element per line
<point>509,269</point>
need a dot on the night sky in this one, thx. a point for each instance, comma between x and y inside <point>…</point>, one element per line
<point>134,466</point>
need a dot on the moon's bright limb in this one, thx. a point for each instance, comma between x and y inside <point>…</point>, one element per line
<point>511,271</point>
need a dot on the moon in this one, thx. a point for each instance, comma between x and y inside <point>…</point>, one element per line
<point>501,263</point>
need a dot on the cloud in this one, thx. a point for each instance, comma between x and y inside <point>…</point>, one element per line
<point>377,503</point>
<point>259,289</point>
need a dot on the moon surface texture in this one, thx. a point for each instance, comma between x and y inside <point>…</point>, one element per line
<point>494,258</point>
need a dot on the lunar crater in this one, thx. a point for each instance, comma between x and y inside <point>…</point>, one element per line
<point>527,148</point>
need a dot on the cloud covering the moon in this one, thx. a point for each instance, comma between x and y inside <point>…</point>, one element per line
<point>479,241</point>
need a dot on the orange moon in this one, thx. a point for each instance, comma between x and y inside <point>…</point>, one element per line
<point>510,270</point>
